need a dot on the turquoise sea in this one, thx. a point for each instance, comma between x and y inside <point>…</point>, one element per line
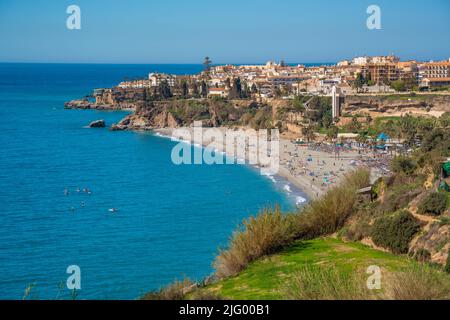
<point>170,220</point>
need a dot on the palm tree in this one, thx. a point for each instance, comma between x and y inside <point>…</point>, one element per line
<point>308,132</point>
<point>332,133</point>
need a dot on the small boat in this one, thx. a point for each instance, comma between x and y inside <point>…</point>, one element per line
<point>112,210</point>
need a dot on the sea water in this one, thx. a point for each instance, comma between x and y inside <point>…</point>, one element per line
<point>59,181</point>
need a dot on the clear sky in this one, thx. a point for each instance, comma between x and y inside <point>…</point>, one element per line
<point>231,31</point>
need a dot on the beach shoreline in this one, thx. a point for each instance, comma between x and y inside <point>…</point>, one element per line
<point>312,171</point>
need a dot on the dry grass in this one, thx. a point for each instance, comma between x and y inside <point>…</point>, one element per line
<point>175,291</point>
<point>327,214</point>
<point>419,282</point>
<point>272,230</point>
<point>264,234</point>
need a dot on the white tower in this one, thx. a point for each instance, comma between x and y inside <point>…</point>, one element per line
<point>335,103</point>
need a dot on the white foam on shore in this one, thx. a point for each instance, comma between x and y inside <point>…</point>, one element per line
<point>299,200</point>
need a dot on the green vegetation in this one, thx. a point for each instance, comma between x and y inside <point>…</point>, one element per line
<point>327,214</point>
<point>324,283</point>
<point>175,291</point>
<point>422,255</point>
<point>395,231</point>
<point>403,164</point>
<point>264,234</point>
<point>271,230</point>
<point>434,204</point>
<point>418,282</point>
<point>292,255</point>
<point>408,84</point>
<point>324,268</point>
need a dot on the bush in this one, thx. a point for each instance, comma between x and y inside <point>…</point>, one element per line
<point>395,231</point>
<point>422,255</point>
<point>402,164</point>
<point>419,282</point>
<point>264,234</point>
<point>271,231</point>
<point>434,204</point>
<point>329,213</point>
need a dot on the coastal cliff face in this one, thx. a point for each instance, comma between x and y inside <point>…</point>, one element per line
<point>110,99</point>
<point>395,103</point>
<point>183,113</point>
<point>147,119</point>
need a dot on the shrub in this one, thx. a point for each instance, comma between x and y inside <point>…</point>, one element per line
<point>329,213</point>
<point>271,230</point>
<point>402,164</point>
<point>422,255</point>
<point>444,221</point>
<point>434,204</point>
<point>395,231</point>
<point>175,291</point>
<point>419,282</point>
<point>264,234</point>
<point>398,197</point>
<point>321,283</point>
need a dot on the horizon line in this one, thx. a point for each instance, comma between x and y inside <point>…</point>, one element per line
<point>165,63</point>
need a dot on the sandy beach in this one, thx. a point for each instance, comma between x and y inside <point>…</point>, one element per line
<point>312,168</point>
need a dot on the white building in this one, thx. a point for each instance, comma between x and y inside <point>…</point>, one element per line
<point>360,61</point>
<point>157,78</point>
<point>336,103</point>
<point>217,92</point>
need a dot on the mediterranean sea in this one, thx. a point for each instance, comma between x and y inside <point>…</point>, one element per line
<point>59,180</point>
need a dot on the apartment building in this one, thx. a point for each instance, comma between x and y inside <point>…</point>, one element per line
<point>381,72</point>
<point>157,78</point>
<point>435,69</point>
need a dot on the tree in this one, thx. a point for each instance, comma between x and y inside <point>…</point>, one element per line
<point>398,85</point>
<point>332,132</point>
<point>327,119</point>
<point>282,63</point>
<point>185,90</point>
<point>308,133</point>
<point>204,89</point>
<point>254,89</point>
<point>195,92</point>
<point>434,204</point>
<point>164,90</point>
<point>402,164</point>
<point>355,125</point>
<point>207,64</point>
<point>236,89</point>
<point>359,82</point>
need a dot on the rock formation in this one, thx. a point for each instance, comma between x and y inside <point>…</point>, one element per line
<point>97,124</point>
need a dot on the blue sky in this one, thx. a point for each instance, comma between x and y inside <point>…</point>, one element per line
<point>232,31</point>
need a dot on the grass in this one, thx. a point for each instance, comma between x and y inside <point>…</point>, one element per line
<point>267,278</point>
<point>418,282</point>
<point>268,232</point>
<point>271,231</point>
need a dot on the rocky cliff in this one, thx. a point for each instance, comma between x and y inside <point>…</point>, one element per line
<point>177,113</point>
<point>395,103</point>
